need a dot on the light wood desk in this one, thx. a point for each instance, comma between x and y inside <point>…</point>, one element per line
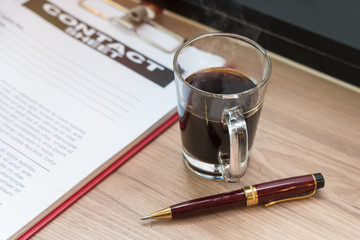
<point>309,124</point>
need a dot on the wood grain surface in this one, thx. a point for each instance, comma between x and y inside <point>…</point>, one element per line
<point>308,124</point>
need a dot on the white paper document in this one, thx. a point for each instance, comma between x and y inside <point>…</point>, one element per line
<point>75,90</point>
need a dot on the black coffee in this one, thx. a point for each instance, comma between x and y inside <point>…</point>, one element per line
<point>204,138</point>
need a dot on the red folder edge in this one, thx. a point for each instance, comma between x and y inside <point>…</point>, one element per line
<point>97,179</point>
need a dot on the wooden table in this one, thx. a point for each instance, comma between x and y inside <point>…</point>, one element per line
<point>310,123</point>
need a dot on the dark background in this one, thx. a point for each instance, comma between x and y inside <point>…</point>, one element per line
<point>322,34</point>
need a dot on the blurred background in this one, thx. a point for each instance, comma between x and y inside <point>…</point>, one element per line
<point>321,34</point>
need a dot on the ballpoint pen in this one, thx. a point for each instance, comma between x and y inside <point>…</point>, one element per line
<point>268,193</point>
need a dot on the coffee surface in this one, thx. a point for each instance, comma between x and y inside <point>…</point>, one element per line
<point>221,81</point>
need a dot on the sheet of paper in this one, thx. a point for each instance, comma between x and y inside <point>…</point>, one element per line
<point>74,91</point>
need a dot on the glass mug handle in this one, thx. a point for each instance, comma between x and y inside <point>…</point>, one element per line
<point>234,169</point>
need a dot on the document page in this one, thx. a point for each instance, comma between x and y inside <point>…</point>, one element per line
<point>75,90</point>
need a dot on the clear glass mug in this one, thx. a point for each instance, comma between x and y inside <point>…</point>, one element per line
<point>221,80</point>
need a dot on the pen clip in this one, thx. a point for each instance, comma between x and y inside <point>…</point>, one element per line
<point>294,198</point>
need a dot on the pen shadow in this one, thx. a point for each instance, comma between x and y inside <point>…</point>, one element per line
<point>167,222</point>
<point>215,214</point>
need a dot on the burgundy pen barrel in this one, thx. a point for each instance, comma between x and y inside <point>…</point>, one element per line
<point>209,204</point>
<point>261,194</point>
<point>289,187</point>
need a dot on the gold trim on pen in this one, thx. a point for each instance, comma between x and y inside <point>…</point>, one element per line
<point>295,198</point>
<point>251,195</point>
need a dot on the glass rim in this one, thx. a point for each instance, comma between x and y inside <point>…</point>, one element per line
<point>254,44</point>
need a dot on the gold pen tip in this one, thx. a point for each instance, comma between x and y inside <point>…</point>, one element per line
<point>162,214</point>
<point>146,217</point>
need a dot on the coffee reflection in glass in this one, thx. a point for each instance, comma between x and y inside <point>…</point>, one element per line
<point>221,80</point>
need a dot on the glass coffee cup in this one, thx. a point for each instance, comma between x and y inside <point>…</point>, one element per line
<point>221,79</point>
